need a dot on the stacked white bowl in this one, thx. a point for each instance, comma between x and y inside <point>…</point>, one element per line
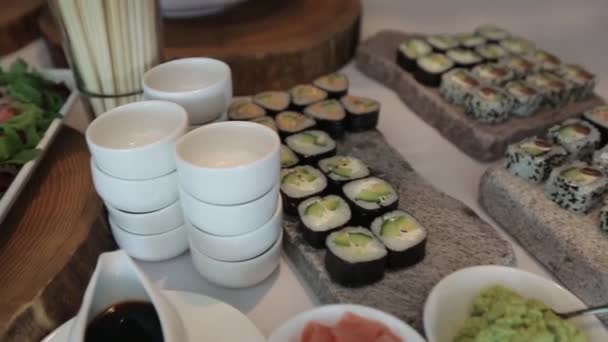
<point>229,190</point>
<point>134,172</point>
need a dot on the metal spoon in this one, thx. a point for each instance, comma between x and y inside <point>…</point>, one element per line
<point>594,310</point>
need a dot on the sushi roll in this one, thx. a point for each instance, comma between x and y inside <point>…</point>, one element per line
<point>544,61</point>
<point>533,159</point>
<point>336,85</point>
<point>354,257</point>
<point>457,84</point>
<point>464,58</point>
<point>492,74</point>
<point>288,157</point>
<point>299,183</point>
<point>518,46</point>
<point>518,65</point>
<point>273,102</point>
<point>577,187</point>
<point>343,169</point>
<point>431,67</point>
<point>245,109</point>
<point>305,94</point>
<point>319,216</point>
<point>554,90</point>
<point>604,218</point>
<point>492,33</point>
<point>470,40</point>
<point>578,137</point>
<point>403,236</point>
<point>369,198</point>
<point>442,42</point>
<point>329,115</point>
<point>598,117</point>
<point>600,159</point>
<point>526,100</point>
<point>489,105</point>
<point>311,146</point>
<point>491,52</point>
<point>361,113</point>
<point>289,123</point>
<point>581,80</point>
<point>410,50</point>
<point>266,121</point>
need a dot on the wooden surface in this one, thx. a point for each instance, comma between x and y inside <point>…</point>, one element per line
<point>484,142</point>
<point>49,243</point>
<point>457,238</point>
<point>269,44</point>
<point>18,23</point>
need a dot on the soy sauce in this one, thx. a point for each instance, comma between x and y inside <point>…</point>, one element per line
<point>127,321</point>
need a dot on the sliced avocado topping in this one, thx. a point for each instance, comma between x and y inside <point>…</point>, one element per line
<point>395,226</point>
<point>288,158</point>
<point>342,239</point>
<point>330,203</point>
<point>316,209</point>
<point>581,175</point>
<point>298,176</point>
<point>359,239</point>
<point>311,139</point>
<point>348,239</point>
<point>375,193</point>
<point>342,171</point>
<point>573,132</point>
<point>536,148</point>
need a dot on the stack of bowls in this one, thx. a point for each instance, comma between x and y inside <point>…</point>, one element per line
<point>133,168</point>
<point>229,190</point>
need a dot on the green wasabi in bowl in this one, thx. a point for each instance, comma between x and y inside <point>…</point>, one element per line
<point>501,315</point>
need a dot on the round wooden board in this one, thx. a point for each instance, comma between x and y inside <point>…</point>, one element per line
<point>18,23</point>
<point>49,243</point>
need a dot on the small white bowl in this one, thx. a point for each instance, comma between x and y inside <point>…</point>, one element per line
<point>230,220</point>
<point>450,301</point>
<point>291,330</point>
<point>135,196</point>
<point>241,273</point>
<point>203,86</point>
<point>137,141</point>
<point>156,247</point>
<point>239,247</point>
<point>228,163</point>
<point>154,222</point>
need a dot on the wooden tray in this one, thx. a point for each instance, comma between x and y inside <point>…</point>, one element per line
<point>457,238</point>
<point>376,58</point>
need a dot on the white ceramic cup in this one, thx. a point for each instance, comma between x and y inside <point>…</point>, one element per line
<point>239,247</point>
<point>241,273</point>
<point>135,196</point>
<point>154,222</point>
<point>203,86</point>
<point>228,163</point>
<point>155,247</point>
<point>137,141</point>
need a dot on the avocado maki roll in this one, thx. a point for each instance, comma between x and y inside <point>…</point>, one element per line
<point>329,115</point>
<point>464,58</point>
<point>288,157</point>
<point>544,60</point>
<point>492,32</point>
<point>491,52</point>
<point>319,216</point>
<point>305,94</point>
<point>273,102</point>
<point>518,46</point>
<point>526,100</point>
<point>604,218</point>
<point>289,123</point>
<point>403,236</point>
<point>336,85</point>
<point>299,183</point>
<point>598,117</point>
<point>409,51</point>
<point>492,74</point>
<point>581,80</point>
<point>442,42</point>
<point>600,159</point>
<point>245,109</point>
<point>577,187</point>
<point>361,113</point>
<point>533,159</point>
<point>266,121</point>
<point>311,146</point>
<point>369,198</point>
<point>578,137</point>
<point>470,40</point>
<point>343,169</point>
<point>431,67</point>
<point>489,105</point>
<point>554,90</point>
<point>354,257</point>
<point>457,84</point>
<point>518,65</point>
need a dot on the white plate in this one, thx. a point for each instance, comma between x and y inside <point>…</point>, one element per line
<point>449,302</point>
<point>291,330</point>
<point>205,319</point>
<point>26,171</point>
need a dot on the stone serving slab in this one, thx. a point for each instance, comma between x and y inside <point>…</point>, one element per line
<point>457,238</point>
<point>571,246</point>
<point>376,58</point>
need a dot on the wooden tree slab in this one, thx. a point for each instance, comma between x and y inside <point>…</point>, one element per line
<point>18,23</point>
<point>49,243</point>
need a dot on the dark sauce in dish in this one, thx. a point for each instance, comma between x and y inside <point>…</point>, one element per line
<point>127,321</point>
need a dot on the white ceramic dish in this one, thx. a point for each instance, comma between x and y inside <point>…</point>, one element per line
<point>291,330</point>
<point>205,319</point>
<point>228,163</point>
<point>135,196</point>
<point>154,222</point>
<point>25,172</point>
<point>136,141</point>
<point>238,274</point>
<point>449,302</point>
<point>156,247</point>
<point>239,247</point>
<point>229,220</point>
<point>203,86</point>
